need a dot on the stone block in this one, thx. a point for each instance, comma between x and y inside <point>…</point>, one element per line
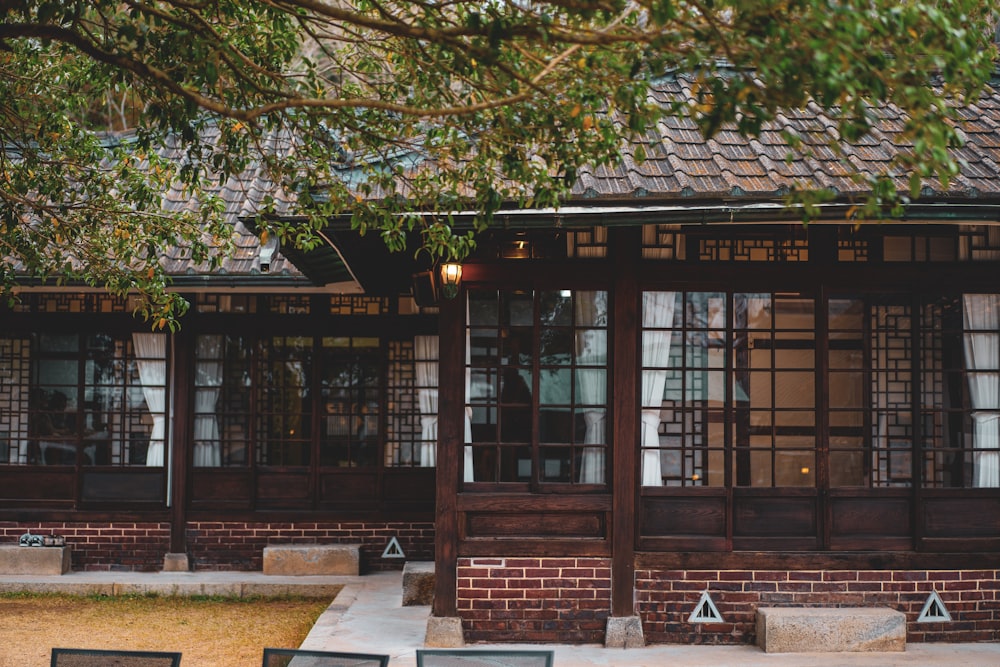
<point>312,559</point>
<point>15,559</point>
<point>175,563</point>
<point>444,632</point>
<point>418,583</point>
<point>830,629</point>
<point>624,632</point>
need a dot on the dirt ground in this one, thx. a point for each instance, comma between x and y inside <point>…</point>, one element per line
<point>210,632</point>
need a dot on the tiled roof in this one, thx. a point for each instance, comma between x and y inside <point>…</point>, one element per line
<point>680,165</point>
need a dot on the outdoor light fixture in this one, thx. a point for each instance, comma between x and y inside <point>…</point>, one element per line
<point>451,277</point>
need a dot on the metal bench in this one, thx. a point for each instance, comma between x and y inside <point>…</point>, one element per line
<point>287,657</point>
<point>483,658</point>
<point>92,657</point>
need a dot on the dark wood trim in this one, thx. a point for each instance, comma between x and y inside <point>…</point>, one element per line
<point>525,502</point>
<point>450,453</point>
<point>624,464</point>
<point>841,560</point>
<point>542,548</point>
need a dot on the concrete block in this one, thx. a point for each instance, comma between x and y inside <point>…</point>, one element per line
<point>175,563</point>
<point>826,629</point>
<point>624,632</point>
<point>311,559</point>
<point>418,583</point>
<point>444,632</point>
<point>15,559</point>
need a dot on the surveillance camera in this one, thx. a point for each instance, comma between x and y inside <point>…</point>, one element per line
<point>267,251</point>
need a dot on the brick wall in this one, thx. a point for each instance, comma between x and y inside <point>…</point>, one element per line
<point>238,545</point>
<point>666,598</point>
<point>564,600</point>
<point>107,546</point>
<point>219,545</point>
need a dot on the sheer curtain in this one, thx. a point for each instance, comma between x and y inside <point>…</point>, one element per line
<point>468,475</point>
<point>657,312</point>
<point>151,360</point>
<point>207,448</point>
<point>981,316</point>
<point>591,310</point>
<point>426,356</point>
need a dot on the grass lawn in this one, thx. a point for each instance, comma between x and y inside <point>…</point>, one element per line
<point>209,631</point>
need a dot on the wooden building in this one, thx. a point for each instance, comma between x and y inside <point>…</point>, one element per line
<point>669,386</point>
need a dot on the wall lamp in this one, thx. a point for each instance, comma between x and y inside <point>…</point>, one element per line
<point>451,278</point>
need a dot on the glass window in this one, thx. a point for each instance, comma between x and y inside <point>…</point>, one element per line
<point>537,382</point>
<point>91,399</point>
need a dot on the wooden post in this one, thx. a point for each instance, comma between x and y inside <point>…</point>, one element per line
<point>451,442</point>
<point>624,450</point>
<point>181,362</point>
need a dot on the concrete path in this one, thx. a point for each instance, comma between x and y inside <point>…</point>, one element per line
<point>368,617</point>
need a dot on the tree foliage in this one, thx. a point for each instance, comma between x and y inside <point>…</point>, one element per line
<point>427,105</point>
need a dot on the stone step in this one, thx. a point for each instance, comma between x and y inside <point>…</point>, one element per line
<point>826,629</point>
<point>418,583</point>
<point>15,559</point>
<point>312,559</point>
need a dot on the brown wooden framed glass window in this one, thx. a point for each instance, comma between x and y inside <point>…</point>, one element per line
<point>536,395</point>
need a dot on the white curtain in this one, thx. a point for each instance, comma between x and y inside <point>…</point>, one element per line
<point>151,360</point>
<point>591,310</point>
<point>207,448</point>
<point>426,356</point>
<point>468,474</point>
<point>657,311</point>
<point>981,315</point>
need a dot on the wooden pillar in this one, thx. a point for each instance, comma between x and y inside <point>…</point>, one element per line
<point>625,432</point>
<point>450,452</point>
<point>181,364</point>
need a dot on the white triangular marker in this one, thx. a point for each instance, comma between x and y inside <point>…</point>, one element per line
<point>393,550</point>
<point>934,610</point>
<point>705,611</point>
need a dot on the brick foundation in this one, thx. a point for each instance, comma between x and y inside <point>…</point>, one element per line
<point>237,545</point>
<point>563,600</point>
<point>666,598</point>
<point>103,546</point>
<point>222,545</point>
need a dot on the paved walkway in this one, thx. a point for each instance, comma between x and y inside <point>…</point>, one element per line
<point>368,617</point>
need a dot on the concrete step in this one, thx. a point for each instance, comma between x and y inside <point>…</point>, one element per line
<point>312,559</point>
<point>823,629</point>
<point>15,559</point>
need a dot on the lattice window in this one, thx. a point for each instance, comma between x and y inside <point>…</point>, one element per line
<point>343,304</point>
<point>587,243</point>
<point>891,395</point>
<point>225,303</point>
<point>852,247</point>
<point>979,242</point>
<point>74,302</point>
<point>663,242</point>
<point>288,304</point>
<point>757,249</point>
<point>14,378</point>
<point>403,429</point>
